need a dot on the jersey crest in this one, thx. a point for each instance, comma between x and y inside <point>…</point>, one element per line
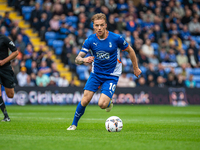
<point>110,44</point>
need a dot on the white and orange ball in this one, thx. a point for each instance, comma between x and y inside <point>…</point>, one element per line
<point>114,124</point>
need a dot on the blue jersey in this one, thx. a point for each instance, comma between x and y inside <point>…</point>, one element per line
<point>106,53</point>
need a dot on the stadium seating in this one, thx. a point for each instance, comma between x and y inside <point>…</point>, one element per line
<point>195,71</point>
<point>55,39</point>
<point>198,39</point>
<point>57,43</point>
<point>184,46</point>
<point>50,35</point>
<point>58,51</point>
<point>61,36</point>
<point>26,11</point>
<point>198,84</point>
<point>178,70</point>
<point>80,70</point>
<point>50,42</point>
<point>156,47</point>
<point>196,78</point>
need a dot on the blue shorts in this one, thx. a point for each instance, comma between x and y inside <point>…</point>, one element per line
<point>107,83</point>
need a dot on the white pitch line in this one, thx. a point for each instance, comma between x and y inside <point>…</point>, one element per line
<point>36,117</point>
<point>99,119</point>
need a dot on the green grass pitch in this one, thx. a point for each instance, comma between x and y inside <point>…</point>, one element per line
<point>145,128</point>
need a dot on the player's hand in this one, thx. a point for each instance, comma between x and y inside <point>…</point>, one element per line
<point>137,72</point>
<point>2,62</point>
<point>89,59</point>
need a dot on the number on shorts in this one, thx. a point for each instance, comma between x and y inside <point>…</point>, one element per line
<point>112,86</point>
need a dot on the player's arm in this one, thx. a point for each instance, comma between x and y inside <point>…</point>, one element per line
<point>80,58</point>
<point>133,58</point>
<point>9,58</point>
<point>14,50</point>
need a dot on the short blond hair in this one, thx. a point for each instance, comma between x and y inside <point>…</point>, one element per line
<point>98,17</point>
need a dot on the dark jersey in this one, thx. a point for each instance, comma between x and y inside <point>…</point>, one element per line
<point>5,44</point>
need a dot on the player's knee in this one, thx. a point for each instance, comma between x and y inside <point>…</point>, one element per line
<point>102,105</point>
<point>84,103</point>
<point>86,99</point>
<point>10,94</point>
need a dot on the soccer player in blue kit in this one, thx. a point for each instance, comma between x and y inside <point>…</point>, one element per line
<point>105,47</point>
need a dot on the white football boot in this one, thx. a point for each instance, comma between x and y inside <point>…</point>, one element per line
<point>6,119</point>
<point>72,127</point>
<point>110,107</point>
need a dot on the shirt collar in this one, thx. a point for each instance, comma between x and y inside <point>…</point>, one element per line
<point>107,33</point>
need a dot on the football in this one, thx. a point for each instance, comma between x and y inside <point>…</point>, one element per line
<point>113,124</point>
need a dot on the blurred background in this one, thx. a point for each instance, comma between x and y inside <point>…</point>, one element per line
<point>49,34</point>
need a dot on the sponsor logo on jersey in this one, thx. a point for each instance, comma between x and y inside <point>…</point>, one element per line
<point>11,43</point>
<point>95,43</point>
<point>102,55</point>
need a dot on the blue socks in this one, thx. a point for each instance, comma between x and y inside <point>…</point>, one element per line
<point>79,112</point>
<point>109,104</point>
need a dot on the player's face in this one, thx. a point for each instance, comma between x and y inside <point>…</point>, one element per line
<point>100,27</point>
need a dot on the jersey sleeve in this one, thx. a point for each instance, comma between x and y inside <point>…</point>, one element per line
<point>86,46</point>
<point>122,44</point>
<point>10,44</point>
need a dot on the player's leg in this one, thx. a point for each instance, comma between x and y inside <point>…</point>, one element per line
<point>7,80</point>
<point>9,92</point>
<point>87,96</point>
<point>107,90</point>
<point>80,109</point>
<point>3,108</point>
<point>104,101</point>
<point>90,88</point>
